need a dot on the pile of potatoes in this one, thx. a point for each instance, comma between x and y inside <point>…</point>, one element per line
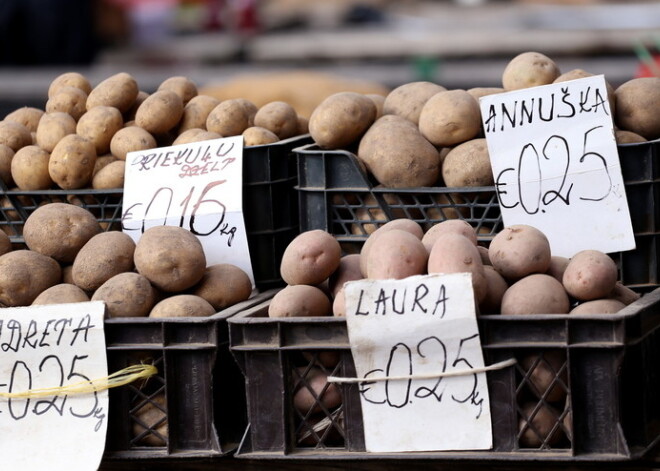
<point>421,134</point>
<point>81,137</point>
<point>69,258</point>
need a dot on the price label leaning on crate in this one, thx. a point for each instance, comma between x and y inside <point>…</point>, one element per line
<point>556,166</point>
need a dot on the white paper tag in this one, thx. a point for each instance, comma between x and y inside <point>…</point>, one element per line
<point>422,325</point>
<point>556,165</point>
<point>196,186</point>
<point>50,346</point>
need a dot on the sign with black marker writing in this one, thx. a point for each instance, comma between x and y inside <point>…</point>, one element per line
<point>197,186</point>
<point>556,166</point>
<point>405,336</point>
<point>52,346</point>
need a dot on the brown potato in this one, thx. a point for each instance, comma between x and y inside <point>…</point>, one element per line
<point>53,127</point>
<point>127,294</point>
<point>529,69</point>
<point>59,230</point>
<point>119,91</point>
<point>231,117</point>
<point>195,135</point>
<point>5,243</point>
<point>379,101</point>
<point>24,274</point>
<point>341,119</point>
<point>14,135</point>
<point>29,168</point>
<point>520,250</point>
<point>196,111</point>
<point>70,100</point>
<point>61,293</point>
<point>310,258</point>
<point>69,79</point>
<point>450,118</point>
<point>153,414</point>
<point>468,164</point>
<point>181,85</point>
<point>578,74</point>
<point>637,102</point>
<point>535,294</point>
<point>397,154</point>
<point>28,116</point>
<point>257,136</point>
<point>99,125</point>
<point>299,301</point>
<point>371,215</point>
<point>547,374</point>
<point>131,139</point>
<point>536,425</point>
<point>129,115</point>
<point>102,161</point>
<point>590,274</point>
<point>223,285</point>
<point>456,226</point>
<point>103,256</point>
<point>170,257</point>
<point>182,305</point>
<point>496,286</point>
<point>72,161</point>
<point>6,156</point>
<point>303,125</point>
<point>110,176</point>
<point>407,100</point>
<point>278,117</point>
<point>478,92</point>
<point>314,391</point>
<point>598,306</point>
<point>160,112</point>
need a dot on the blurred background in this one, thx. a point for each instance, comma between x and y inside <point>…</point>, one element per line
<point>300,51</point>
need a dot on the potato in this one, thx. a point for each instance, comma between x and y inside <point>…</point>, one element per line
<point>14,135</point>
<point>468,164</point>
<point>310,258</point>
<point>371,214</point>
<point>624,294</point>
<point>303,125</point>
<point>397,154</point>
<point>70,100</point>
<point>127,294</point>
<point>5,243</point>
<point>24,274</point>
<point>450,118</point>
<point>29,169</point>
<point>195,135</point>
<point>449,206</point>
<point>109,177</point>
<point>519,250</point>
<point>557,267</point>
<point>348,270</point>
<point>637,102</point>
<point>312,392</point>
<point>72,161</point>
<point>103,256</point>
<point>223,285</point>
<point>396,254</point>
<point>455,253</point>
<point>379,101</point>
<point>578,74</point>
<point>196,111</point>
<point>402,224</point>
<point>53,127</point>
<point>119,91</point>
<point>456,226</point>
<point>485,255</point>
<point>182,305</point>
<point>231,117</point>
<point>278,117</point>
<point>258,136</point>
<point>99,125</point>
<point>69,79</point>
<point>299,301</point>
<point>28,116</point>
<point>6,156</point>
<point>339,304</point>
<point>170,257</point>
<point>545,374</point>
<point>529,69</point>
<point>62,293</point>
<point>341,119</point>
<point>535,294</point>
<point>131,139</point>
<point>102,161</point>
<point>478,92</point>
<point>407,100</point>
<point>627,137</point>
<point>590,274</point>
<point>537,423</point>
<point>153,414</point>
<point>160,112</point>
<point>182,86</point>
<point>496,286</point>
<point>598,306</point>
<point>66,274</point>
<point>129,115</point>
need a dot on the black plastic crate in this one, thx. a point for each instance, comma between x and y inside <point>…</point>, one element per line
<point>606,369</point>
<point>338,196</point>
<point>270,206</point>
<point>198,392</point>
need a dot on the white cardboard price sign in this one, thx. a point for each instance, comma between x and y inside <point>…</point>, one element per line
<point>197,186</point>
<point>408,331</point>
<point>556,165</point>
<point>45,347</point>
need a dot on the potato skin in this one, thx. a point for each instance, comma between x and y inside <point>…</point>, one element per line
<point>69,79</point>
<point>542,422</point>
<point>535,294</point>
<point>278,117</point>
<point>348,270</point>
<point>182,305</point>
<point>195,135</point>
<point>28,116</point>
<point>396,254</point>
<point>341,119</point>
<point>408,100</point>
<point>103,256</point>
<point>520,250</point>
<point>450,118</point>
<point>196,111</point>
<point>160,112</point>
<point>496,286</point>
<point>53,127</point>
<point>223,285</point>
<point>310,258</point>
<point>61,293</point>
<point>326,393</point>
<point>529,69</point>
<point>170,257</point>
<point>130,139</point>
<point>59,230</point>
<point>181,85</point>
<point>468,164</point>
<point>637,102</point>
<point>542,372</point>
<point>231,117</point>
<point>110,176</point>
<point>590,274</point>
<point>99,125</point>
<point>598,306</point>
<point>14,135</point>
<point>299,301</point>
<point>456,226</point>
<point>119,91</point>
<point>6,156</point>
<point>71,163</point>
<point>127,294</point>
<point>257,136</point>
<point>24,274</point>
<point>29,169</point>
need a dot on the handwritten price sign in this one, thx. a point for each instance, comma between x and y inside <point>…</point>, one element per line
<point>556,165</point>
<point>48,347</point>
<point>404,335</point>
<point>196,186</point>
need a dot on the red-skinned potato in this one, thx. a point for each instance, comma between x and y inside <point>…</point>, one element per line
<point>590,274</point>
<point>520,250</point>
<point>348,270</point>
<point>299,301</point>
<point>401,224</point>
<point>310,258</point>
<point>396,254</point>
<point>535,294</point>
